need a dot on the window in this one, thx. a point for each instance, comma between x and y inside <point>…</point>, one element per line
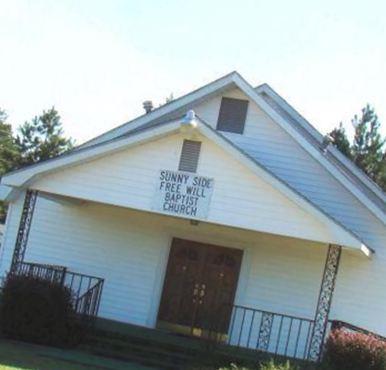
<point>233,113</point>
<point>189,156</point>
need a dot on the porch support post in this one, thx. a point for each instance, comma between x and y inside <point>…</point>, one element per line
<point>24,228</point>
<point>265,331</point>
<point>324,302</point>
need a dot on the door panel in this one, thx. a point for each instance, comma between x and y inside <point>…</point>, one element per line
<point>220,274</point>
<point>185,264</point>
<point>200,285</point>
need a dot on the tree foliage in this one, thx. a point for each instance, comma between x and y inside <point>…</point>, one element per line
<point>340,140</point>
<point>9,151</point>
<point>42,138</point>
<point>367,149</point>
<point>9,154</point>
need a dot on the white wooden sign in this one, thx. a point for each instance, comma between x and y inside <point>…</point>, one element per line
<point>183,193</point>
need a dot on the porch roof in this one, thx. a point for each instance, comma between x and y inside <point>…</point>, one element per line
<point>24,178</point>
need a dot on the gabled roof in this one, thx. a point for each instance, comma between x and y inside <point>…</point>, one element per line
<point>275,107</point>
<point>282,113</point>
<point>24,177</point>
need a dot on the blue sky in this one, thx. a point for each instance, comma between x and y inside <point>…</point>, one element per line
<point>97,61</point>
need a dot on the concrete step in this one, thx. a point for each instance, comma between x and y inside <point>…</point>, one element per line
<point>158,353</point>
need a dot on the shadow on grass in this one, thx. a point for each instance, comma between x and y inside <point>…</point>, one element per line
<point>24,356</point>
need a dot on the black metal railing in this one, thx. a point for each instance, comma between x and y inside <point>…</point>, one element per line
<point>86,289</point>
<point>88,303</point>
<point>87,292</point>
<point>279,334</point>
<point>52,273</point>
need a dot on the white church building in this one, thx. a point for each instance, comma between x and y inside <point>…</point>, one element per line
<point>223,212</point>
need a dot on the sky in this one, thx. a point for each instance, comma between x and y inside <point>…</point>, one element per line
<point>97,61</point>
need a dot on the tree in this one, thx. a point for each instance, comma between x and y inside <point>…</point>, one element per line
<point>367,147</point>
<point>340,140</point>
<point>367,150</point>
<point>42,138</point>
<point>9,153</point>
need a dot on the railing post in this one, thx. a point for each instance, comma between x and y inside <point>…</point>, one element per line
<point>63,277</point>
<point>265,331</point>
<point>324,302</point>
<point>24,228</point>
<point>99,297</point>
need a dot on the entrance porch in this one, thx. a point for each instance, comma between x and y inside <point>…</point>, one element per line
<point>242,288</point>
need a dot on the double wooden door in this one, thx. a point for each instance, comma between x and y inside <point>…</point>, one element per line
<point>200,286</point>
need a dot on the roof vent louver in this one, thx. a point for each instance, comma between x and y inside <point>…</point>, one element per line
<point>189,156</point>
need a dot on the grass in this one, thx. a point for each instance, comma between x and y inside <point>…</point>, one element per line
<point>24,356</point>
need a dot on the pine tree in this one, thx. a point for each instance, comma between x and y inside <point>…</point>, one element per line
<point>42,138</point>
<point>367,150</point>
<point>9,153</point>
<point>339,139</point>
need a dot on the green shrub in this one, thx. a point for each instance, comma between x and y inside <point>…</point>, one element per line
<point>354,351</point>
<point>38,311</point>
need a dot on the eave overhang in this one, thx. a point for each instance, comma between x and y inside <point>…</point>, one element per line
<point>24,178</point>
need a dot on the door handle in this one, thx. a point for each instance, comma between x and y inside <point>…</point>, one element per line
<point>202,291</point>
<point>199,292</point>
<point>196,289</point>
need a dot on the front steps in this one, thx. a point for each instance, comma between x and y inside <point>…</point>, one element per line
<point>163,350</point>
<point>147,351</point>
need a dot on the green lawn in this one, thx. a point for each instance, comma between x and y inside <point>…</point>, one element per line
<point>23,356</point>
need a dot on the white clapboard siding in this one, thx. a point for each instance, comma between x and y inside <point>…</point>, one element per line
<point>266,141</point>
<point>360,295</point>
<point>129,249</point>
<point>129,179</point>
